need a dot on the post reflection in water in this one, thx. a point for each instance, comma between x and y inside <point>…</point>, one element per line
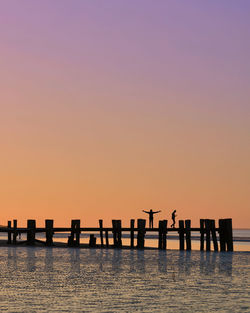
<point>162,261</point>
<point>212,261</point>
<point>31,259</point>
<point>49,260</point>
<point>182,262</point>
<point>140,261</point>
<point>74,254</point>
<point>12,258</point>
<point>205,266</point>
<point>101,260</point>
<point>188,262</point>
<point>176,265</point>
<point>132,261</point>
<point>226,263</point>
<point>117,260</point>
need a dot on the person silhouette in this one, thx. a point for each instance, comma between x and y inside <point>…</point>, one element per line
<point>151,216</point>
<point>173,218</point>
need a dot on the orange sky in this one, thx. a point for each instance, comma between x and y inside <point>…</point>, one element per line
<point>108,111</point>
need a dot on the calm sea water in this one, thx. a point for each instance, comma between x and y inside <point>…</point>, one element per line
<point>95,280</point>
<point>241,239</point>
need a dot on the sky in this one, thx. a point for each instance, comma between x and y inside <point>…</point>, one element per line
<point>111,107</point>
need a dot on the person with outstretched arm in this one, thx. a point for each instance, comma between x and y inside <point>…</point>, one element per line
<point>151,216</point>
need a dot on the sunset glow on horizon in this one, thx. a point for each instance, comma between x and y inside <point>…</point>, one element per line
<point>111,107</point>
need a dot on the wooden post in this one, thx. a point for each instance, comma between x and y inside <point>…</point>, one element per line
<point>181,234</point>
<point>31,233</point>
<point>188,234</point>
<point>92,241</point>
<point>132,233</point>
<point>202,234</point>
<point>77,232</point>
<point>114,231</point>
<point>222,235</point>
<point>160,235</point>
<point>229,232</point>
<point>107,238</point>
<point>141,223</point>
<point>215,243</point>
<point>49,232</point>
<point>9,233</point>
<point>74,238</point>
<point>71,237</point>
<point>119,233</point>
<point>164,235</point>
<point>70,241</point>
<point>14,231</point>
<point>207,229</point>
<point>101,232</point>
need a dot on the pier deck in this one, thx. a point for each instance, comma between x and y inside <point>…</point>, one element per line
<point>208,234</point>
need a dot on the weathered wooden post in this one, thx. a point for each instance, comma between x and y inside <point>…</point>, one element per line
<point>14,231</point>
<point>164,234</point>
<point>70,241</point>
<point>160,230</point>
<point>9,233</point>
<point>141,224</point>
<point>181,234</point>
<point>49,232</point>
<point>114,231</point>
<point>101,232</point>
<point>75,233</point>
<point>215,243</point>
<point>119,233</point>
<point>162,240</point>
<point>71,236</point>
<point>202,234</point>
<point>207,229</point>
<point>31,232</point>
<point>222,235</point>
<point>92,241</point>
<point>132,234</point>
<point>229,232</point>
<point>107,238</point>
<point>188,234</point>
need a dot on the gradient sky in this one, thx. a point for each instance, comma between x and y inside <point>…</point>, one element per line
<point>110,107</point>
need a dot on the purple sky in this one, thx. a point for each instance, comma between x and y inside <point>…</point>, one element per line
<point>144,104</point>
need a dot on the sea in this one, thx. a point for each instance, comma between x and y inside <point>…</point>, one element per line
<point>43,279</point>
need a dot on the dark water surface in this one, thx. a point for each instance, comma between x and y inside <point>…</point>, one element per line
<point>89,280</point>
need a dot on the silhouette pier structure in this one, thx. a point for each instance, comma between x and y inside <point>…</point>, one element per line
<point>211,237</point>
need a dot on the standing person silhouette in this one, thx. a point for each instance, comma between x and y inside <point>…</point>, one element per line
<point>173,218</point>
<point>151,216</point>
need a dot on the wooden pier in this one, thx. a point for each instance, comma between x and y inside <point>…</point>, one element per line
<point>220,237</point>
